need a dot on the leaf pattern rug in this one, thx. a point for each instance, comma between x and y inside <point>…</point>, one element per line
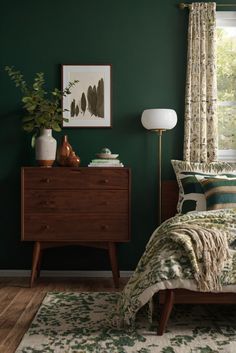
<point>81,323</point>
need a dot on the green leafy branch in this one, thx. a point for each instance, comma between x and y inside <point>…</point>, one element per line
<point>43,109</point>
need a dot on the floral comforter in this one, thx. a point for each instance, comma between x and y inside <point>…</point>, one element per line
<point>167,264</point>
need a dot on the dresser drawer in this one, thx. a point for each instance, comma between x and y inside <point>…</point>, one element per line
<point>93,227</point>
<point>79,201</point>
<point>79,178</point>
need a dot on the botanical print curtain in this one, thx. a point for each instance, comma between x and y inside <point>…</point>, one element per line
<point>201,136</point>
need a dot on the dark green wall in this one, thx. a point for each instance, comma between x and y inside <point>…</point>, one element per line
<point>145,41</point>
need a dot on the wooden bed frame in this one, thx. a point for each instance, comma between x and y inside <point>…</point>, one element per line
<point>169,297</point>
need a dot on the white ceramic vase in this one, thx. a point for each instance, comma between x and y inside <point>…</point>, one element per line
<point>45,148</point>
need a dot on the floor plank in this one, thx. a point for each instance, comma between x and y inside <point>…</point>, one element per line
<point>19,303</point>
<point>7,294</point>
<point>13,337</point>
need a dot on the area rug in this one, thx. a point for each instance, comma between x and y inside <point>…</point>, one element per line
<point>80,323</point>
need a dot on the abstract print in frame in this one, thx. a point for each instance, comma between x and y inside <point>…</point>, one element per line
<point>89,104</point>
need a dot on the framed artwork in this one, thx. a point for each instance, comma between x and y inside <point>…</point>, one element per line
<point>89,104</point>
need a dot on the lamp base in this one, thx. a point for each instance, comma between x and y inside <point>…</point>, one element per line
<point>159,131</point>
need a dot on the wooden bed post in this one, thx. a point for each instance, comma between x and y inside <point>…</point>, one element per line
<point>166,311</point>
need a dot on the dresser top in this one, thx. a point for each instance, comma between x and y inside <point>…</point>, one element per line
<point>72,168</point>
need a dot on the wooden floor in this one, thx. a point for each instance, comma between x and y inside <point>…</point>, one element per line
<point>19,303</point>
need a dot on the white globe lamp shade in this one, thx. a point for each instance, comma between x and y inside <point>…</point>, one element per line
<point>159,119</point>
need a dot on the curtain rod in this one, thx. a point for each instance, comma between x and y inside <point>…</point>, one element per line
<point>183,5</point>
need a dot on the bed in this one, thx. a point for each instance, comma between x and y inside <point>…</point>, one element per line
<point>169,297</point>
<point>174,283</point>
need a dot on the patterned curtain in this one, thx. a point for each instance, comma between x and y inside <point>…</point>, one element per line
<point>201,133</point>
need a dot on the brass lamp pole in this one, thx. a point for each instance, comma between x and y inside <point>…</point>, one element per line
<point>159,131</point>
<point>159,120</point>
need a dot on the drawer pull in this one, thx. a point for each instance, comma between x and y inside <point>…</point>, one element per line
<point>105,181</point>
<point>104,227</point>
<point>46,227</point>
<point>45,180</point>
<point>45,203</point>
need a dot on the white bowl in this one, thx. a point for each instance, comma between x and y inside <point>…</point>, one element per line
<point>107,155</point>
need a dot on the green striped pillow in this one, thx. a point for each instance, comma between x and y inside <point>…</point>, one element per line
<point>191,197</point>
<point>193,194</point>
<point>219,193</point>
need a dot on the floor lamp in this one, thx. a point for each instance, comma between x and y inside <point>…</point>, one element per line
<point>159,120</point>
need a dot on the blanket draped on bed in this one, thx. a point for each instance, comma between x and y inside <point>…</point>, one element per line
<point>198,246</point>
<point>207,249</point>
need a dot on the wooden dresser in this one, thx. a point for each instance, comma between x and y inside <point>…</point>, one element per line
<point>83,206</point>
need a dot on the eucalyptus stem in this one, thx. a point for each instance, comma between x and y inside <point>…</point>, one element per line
<point>42,108</point>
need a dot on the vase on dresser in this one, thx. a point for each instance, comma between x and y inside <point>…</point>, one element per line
<point>63,151</point>
<point>45,148</point>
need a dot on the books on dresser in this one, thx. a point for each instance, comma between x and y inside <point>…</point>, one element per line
<point>105,163</point>
<point>106,159</point>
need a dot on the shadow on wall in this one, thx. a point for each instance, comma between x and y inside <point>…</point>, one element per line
<point>14,145</point>
<point>15,151</point>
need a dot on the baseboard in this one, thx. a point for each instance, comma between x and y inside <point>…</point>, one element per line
<point>95,274</point>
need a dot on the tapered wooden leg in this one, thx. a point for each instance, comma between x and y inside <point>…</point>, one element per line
<point>35,260</point>
<point>114,264</point>
<point>166,311</point>
<point>39,262</point>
